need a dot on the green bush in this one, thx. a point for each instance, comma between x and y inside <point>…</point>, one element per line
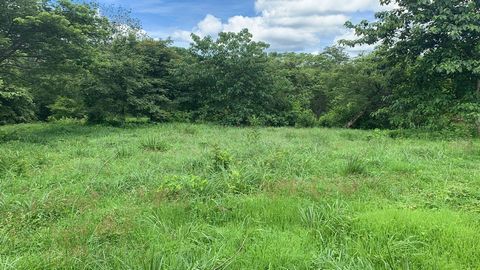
<point>175,185</point>
<point>221,159</point>
<point>16,105</point>
<point>303,117</point>
<point>65,107</point>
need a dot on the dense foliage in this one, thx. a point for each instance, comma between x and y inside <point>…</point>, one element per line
<point>60,59</point>
<point>231,80</point>
<point>432,52</point>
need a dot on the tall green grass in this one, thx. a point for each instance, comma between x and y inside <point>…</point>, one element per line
<point>180,196</point>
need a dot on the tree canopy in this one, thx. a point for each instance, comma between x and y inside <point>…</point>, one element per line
<point>432,49</point>
<point>63,59</point>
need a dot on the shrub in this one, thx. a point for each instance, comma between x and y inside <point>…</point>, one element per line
<point>16,105</point>
<point>303,117</point>
<point>255,121</point>
<point>65,107</point>
<point>221,159</point>
<point>175,185</point>
<point>242,182</point>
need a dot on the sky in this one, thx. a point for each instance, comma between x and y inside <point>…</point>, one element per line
<point>287,25</point>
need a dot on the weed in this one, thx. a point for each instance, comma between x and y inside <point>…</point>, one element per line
<point>327,220</point>
<point>155,144</point>
<point>123,152</point>
<point>36,213</point>
<point>242,182</point>
<point>355,166</point>
<point>75,196</point>
<point>174,186</point>
<point>221,159</point>
<point>377,134</point>
<point>339,257</point>
<point>190,130</point>
<point>253,135</point>
<point>195,165</point>
<point>352,135</point>
<point>155,262</point>
<point>12,162</point>
<point>6,136</point>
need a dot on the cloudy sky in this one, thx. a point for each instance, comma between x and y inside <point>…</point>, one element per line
<point>288,25</point>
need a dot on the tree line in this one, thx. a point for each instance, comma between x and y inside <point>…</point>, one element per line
<point>62,59</point>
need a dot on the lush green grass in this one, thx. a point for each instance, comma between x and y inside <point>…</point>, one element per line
<point>181,196</point>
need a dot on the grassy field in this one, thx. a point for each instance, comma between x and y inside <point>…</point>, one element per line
<point>181,196</point>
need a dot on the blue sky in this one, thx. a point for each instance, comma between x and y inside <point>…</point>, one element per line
<point>288,25</point>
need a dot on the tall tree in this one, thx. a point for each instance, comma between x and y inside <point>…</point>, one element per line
<point>439,42</point>
<point>45,43</point>
<point>230,80</point>
<point>129,78</point>
<point>47,32</point>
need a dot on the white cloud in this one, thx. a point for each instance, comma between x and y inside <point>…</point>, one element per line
<point>313,7</point>
<point>211,25</point>
<point>309,22</point>
<point>289,25</point>
<point>182,36</point>
<point>279,36</point>
<point>350,35</point>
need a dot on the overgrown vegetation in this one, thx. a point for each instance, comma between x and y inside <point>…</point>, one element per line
<point>425,73</point>
<point>110,184</point>
<point>100,198</point>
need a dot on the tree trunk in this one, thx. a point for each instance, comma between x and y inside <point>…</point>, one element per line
<point>352,122</point>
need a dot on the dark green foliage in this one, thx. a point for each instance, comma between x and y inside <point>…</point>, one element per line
<point>352,100</point>
<point>66,108</point>
<point>129,80</point>
<point>16,105</point>
<point>306,73</point>
<point>45,46</point>
<point>303,117</point>
<point>432,51</point>
<point>230,80</point>
<point>60,59</point>
<point>330,89</point>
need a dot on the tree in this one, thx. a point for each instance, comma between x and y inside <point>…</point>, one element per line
<point>129,78</point>
<point>16,105</point>
<point>230,80</point>
<point>51,41</point>
<point>439,43</point>
<point>309,74</point>
<point>353,91</point>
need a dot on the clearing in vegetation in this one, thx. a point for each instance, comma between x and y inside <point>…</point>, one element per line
<point>181,196</point>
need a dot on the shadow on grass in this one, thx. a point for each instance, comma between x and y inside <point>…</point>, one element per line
<point>50,132</point>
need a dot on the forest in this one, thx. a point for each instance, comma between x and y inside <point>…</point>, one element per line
<point>60,59</point>
<point>119,150</point>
